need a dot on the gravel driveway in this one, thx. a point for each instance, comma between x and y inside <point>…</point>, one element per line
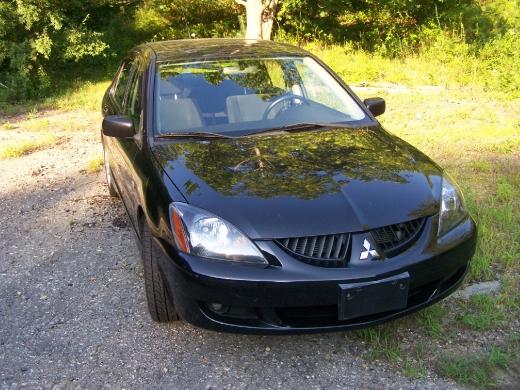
<point>73,311</point>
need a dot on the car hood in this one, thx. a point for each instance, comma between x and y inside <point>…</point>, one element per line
<point>307,183</point>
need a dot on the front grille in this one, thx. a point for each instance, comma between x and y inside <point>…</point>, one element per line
<point>331,250</point>
<point>326,251</point>
<point>393,239</point>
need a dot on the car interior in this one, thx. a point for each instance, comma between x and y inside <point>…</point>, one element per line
<point>184,104</point>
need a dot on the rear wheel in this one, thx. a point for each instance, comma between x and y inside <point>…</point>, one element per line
<point>160,304</point>
<point>108,173</point>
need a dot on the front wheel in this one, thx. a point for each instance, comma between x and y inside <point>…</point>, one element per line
<point>160,303</point>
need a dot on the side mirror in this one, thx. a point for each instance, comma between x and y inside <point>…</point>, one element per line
<point>375,105</point>
<point>120,126</point>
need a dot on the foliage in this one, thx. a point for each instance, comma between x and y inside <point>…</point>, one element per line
<point>442,63</point>
<point>395,27</point>
<point>36,35</point>
<point>41,38</point>
<point>175,19</point>
<point>46,43</point>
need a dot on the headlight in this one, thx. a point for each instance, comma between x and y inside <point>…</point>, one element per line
<point>201,233</point>
<point>453,209</point>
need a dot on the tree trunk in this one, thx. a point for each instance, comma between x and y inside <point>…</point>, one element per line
<point>259,17</point>
<point>268,18</point>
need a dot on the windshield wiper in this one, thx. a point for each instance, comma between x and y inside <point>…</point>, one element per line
<point>192,134</point>
<point>298,127</point>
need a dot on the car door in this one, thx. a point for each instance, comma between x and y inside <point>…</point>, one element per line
<point>113,105</point>
<point>131,147</point>
<point>123,150</point>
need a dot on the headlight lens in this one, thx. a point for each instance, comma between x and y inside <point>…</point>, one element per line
<point>201,233</point>
<point>453,209</point>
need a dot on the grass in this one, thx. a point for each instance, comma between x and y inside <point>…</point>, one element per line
<point>55,122</point>
<point>413,364</point>
<point>16,150</point>
<point>445,64</point>
<point>481,371</point>
<point>81,95</point>
<point>483,312</point>
<point>382,341</point>
<point>94,164</point>
<point>431,318</point>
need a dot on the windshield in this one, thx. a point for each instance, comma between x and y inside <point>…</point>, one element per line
<point>249,95</point>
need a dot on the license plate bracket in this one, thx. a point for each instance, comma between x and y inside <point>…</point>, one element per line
<point>366,298</point>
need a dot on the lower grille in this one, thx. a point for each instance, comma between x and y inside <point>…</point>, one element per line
<point>394,239</point>
<point>326,251</point>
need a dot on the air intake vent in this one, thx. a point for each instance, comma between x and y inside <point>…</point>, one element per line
<point>325,251</point>
<point>394,239</point>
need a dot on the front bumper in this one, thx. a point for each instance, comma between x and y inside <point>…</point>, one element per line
<point>294,297</point>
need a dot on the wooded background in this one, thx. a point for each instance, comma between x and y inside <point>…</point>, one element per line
<point>44,42</point>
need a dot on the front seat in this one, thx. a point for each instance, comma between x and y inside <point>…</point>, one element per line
<point>178,114</point>
<point>245,108</point>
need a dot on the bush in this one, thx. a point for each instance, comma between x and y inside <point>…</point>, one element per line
<point>500,58</point>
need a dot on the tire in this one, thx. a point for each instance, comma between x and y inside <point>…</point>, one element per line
<point>160,303</point>
<point>108,173</point>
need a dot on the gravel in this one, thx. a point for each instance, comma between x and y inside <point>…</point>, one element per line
<point>73,311</point>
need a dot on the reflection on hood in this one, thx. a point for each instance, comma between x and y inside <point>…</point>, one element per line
<point>304,165</point>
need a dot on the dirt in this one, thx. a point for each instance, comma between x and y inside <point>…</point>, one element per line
<point>72,304</point>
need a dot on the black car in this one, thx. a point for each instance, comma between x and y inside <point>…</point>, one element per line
<point>267,198</point>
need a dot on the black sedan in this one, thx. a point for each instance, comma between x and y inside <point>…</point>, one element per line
<point>266,197</point>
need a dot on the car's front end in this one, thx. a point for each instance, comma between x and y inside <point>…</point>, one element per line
<point>289,295</point>
<point>347,244</point>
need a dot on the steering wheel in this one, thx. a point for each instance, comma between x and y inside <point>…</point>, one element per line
<point>280,100</point>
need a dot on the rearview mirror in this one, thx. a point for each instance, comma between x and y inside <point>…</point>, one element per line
<point>375,105</point>
<point>120,126</point>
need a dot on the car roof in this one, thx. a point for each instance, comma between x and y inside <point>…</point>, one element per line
<point>191,50</point>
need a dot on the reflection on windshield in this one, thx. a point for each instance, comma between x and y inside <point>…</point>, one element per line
<point>231,96</point>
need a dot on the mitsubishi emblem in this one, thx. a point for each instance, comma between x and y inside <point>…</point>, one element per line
<point>364,254</point>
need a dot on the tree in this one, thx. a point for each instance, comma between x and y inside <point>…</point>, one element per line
<point>39,36</point>
<point>259,17</point>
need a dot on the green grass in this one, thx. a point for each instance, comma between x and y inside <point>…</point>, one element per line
<point>16,150</point>
<point>482,312</point>
<point>481,371</point>
<point>431,318</point>
<point>81,95</point>
<point>446,64</point>
<point>55,122</point>
<point>382,341</point>
<point>414,362</point>
<point>94,164</point>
